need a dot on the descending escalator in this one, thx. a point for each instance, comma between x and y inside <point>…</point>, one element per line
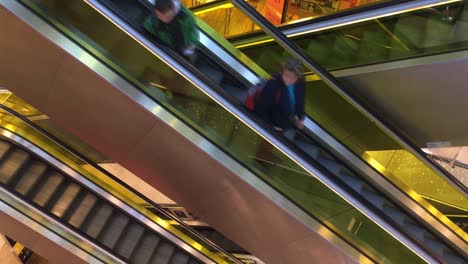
<point>369,36</point>
<point>324,161</point>
<point>380,33</point>
<point>77,201</point>
<point>70,202</point>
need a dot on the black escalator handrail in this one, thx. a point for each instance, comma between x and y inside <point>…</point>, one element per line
<point>332,81</point>
<point>160,210</point>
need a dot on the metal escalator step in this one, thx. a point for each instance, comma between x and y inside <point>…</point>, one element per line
<point>57,194</point>
<point>29,177</point>
<point>82,210</point>
<point>331,165</point>
<point>74,204</point>
<point>97,220</point>
<point>113,230</point>
<point>163,254</point>
<point>352,181</point>
<point>395,214</point>
<point>4,148</point>
<point>48,188</point>
<point>236,92</point>
<point>212,73</point>
<point>128,242</point>
<point>309,148</point>
<point>65,200</point>
<point>12,164</point>
<point>376,199</point>
<point>434,244</point>
<point>145,249</point>
<point>179,258</point>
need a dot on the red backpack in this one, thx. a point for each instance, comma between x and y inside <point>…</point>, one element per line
<point>254,94</point>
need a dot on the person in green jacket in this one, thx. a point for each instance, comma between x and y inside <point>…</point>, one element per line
<point>174,25</point>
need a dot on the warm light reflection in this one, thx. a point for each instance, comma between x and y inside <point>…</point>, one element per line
<point>356,21</point>
<point>254,43</point>
<point>224,6</point>
<point>196,245</point>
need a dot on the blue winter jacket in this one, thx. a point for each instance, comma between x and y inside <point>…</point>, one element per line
<point>279,113</point>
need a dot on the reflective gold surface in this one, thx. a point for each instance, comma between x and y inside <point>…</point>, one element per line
<point>411,173</point>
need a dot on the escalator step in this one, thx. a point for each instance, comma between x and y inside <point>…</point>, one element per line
<point>331,165</point>
<point>74,204</point>
<point>145,249</point>
<point>30,176</point>
<point>13,163</point>
<point>212,73</point>
<point>113,230</point>
<point>4,148</point>
<point>65,200</point>
<point>434,244</point>
<point>82,211</point>
<point>58,193</point>
<point>377,200</point>
<point>48,188</point>
<point>164,253</point>
<point>128,241</point>
<point>179,258</point>
<point>193,261</point>
<point>310,149</point>
<point>98,219</point>
<point>395,214</point>
<point>352,181</point>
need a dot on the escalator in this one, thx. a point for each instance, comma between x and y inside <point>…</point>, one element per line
<point>38,183</point>
<point>36,176</point>
<point>379,33</point>
<point>355,46</point>
<point>373,46</point>
<point>384,54</point>
<point>33,178</point>
<point>362,231</point>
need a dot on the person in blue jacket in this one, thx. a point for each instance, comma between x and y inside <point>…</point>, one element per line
<point>282,100</point>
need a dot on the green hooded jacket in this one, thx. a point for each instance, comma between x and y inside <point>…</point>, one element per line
<point>179,34</point>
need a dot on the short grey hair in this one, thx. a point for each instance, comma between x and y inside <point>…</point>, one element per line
<point>295,66</point>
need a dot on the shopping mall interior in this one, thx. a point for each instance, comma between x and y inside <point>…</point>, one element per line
<point>117,148</point>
